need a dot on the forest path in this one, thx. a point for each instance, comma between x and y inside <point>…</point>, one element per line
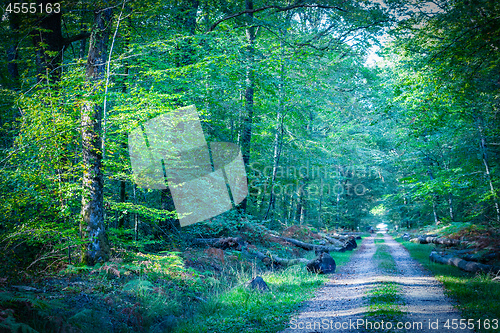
<point>341,304</point>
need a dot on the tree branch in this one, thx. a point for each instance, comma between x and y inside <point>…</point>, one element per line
<point>278,9</point>
<point>75,38</point>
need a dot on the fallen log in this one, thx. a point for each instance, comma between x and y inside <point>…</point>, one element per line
<point>480,257</point>
<point>240,245</point>
<point>468,266</point>
<point>270,259</point>
<point>221,243</point>
<point>332,240</point>
<point>438,240</point>
<point>312,247</point>
<point>339,236</point>
<point>356,235</point>
<point>406,236</point>
<point>460,253</point>
<point>351,244</point>
<point>477,255</point>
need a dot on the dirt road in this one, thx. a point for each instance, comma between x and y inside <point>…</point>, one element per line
<point>341,305</point>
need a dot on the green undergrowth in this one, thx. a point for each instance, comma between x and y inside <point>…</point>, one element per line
<point>189,291</point>
<point>147,292</point>
<point>476,295</point>
<point>240,309</point>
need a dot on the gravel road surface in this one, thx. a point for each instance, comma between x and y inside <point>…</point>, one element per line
<point>341,304</point>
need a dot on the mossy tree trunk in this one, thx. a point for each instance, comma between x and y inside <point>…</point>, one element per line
<point>92,228</point>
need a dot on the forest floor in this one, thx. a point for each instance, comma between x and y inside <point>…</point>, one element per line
<point>368,295</point>
<point>193,288</point>
<point>203,289</point>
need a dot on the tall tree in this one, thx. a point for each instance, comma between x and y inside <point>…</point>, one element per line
<point>92,228</point>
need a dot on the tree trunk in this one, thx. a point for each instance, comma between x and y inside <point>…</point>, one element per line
<point>300,209</point>
<point>270,259</point>
<point>320,208</point>
<point>450,206</point>
<point>126,70</point>
<point>484,153</point>
<point>333,240</point>
<point>434,211</point>
<point>49,43</point>
<point>246,137</point>
<point>123,194</point>
<point>221,243</point>
<point>136,217</point>
<point>434,199</point>
<point>167,205</point>
<point>12,54</point>
<point>278,135</point>
<point>92,229</point>
<point>340,186</point>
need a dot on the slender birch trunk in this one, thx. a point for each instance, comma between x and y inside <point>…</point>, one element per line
<point>246,137</point>
<point>484,153</point>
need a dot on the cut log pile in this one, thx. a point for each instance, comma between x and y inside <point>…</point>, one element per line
<point>438,240</point>
<point>221,243</point>
<point>468,259</point>
<point>332,240</point>
<point>468,266</point>
<point>311,247</point>
<point>348,243</point>
<point>340,243</point>
<point>270,259</point>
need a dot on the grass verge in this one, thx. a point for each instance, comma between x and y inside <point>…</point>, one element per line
<point>384,259</point>
<point>476,295</point>
<point>385,301</point>
<point>385,298</point>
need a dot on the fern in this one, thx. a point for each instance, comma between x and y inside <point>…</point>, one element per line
<point>8,298</point>
<point>11,325</point>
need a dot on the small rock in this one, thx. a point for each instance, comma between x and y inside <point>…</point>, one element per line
<point>258,283</point>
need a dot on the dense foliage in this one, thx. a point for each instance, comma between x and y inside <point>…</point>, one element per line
<point>327,139</point>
